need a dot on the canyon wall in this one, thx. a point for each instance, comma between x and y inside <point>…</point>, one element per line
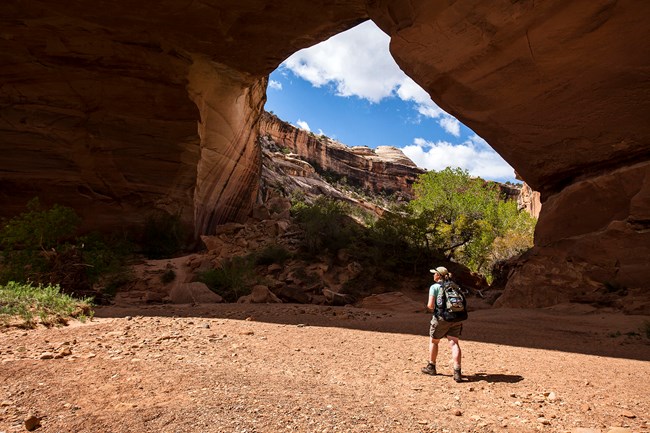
<point>382,170</point>
<point>118,109</point>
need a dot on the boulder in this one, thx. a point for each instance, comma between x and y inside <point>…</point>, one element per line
<point>259,295</point>
<point>193,293</point>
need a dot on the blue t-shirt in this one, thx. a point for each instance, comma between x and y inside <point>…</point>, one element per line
<point>434,291</point>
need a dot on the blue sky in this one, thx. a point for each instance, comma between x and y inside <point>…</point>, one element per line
<point>350,89</point>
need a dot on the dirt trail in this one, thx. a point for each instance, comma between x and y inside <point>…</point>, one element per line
<point>294,368</point>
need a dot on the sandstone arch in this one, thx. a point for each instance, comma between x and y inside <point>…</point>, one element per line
<point>99,106</point>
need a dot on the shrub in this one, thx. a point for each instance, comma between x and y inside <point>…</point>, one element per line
<point>471,222</point>
<point>31,241</point>
<point>272,254</point>
<point>326,225</point>
<point>231,280</point>
<point>26,302</point>
<point>106,261</point>
<point>40,246</point>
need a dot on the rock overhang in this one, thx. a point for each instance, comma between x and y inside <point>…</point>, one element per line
<point>115,110</point>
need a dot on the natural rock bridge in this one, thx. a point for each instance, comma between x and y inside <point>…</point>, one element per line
<point>99,106</point>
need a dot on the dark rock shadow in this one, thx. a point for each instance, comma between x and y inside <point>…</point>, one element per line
<point>493,378</point>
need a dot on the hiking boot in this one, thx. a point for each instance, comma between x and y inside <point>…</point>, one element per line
<point>458,377</point>
<point>430,369</point>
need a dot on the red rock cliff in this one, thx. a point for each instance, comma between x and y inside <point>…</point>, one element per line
<point>384,169</point>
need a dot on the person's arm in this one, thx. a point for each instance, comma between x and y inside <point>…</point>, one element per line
<point>432,302</point>
<point>431,305</point>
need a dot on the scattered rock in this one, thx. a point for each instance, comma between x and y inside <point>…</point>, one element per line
<point>32,422</point>
<point>628,414</point>
<point>46,355</point>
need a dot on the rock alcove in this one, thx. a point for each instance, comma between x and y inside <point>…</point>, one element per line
<point>100,105</point>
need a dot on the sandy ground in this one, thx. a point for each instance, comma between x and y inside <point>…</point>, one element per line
<point>298,368</point>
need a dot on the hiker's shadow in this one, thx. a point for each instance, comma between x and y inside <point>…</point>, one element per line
<point>494,378</point>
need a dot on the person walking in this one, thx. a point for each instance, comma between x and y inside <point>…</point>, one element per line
<point>440,328</point>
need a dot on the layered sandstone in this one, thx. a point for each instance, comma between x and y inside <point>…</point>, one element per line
<point>121,109</point>
<point>382,170</point>
<point>529,200</point>
<point>117,109</point>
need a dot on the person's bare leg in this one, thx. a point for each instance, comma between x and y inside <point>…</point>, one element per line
<point>433,350</point>
<point>455,352</point>
<point>433,354</point>
<point>456,356</point>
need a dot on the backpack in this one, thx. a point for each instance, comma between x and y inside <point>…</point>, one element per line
<point>451,305</point>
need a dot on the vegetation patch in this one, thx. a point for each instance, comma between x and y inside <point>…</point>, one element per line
<point>326,224</point>
<point>272,254</point>
<point>232,279</point>
<point>469,222</point>
<point>26,305</point>
<point>168,276</point>
<point>41,246</point>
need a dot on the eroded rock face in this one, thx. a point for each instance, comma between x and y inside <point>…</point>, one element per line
<point>382,170</point>
<point>119,109</point>
<point>529,200</point>
<point>100,102</point>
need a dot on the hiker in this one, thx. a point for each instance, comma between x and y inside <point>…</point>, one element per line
<point>441,328</point>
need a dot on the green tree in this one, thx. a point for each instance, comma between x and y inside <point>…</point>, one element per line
<point>326,223</point>
<point>468,220</point>
<point>40,246</point>
<point>30,241</point>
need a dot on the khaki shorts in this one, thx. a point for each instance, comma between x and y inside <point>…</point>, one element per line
<point>440,329</point>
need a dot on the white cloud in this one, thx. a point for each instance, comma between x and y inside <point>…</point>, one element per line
<point>358,63</point>
<point>450,124</point>
<point>473,155</point>
<point>275,85</point>
<point>303,125</point>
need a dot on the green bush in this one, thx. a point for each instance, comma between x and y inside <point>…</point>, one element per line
<point>40,246</point>
<point>232,280</point>
<point>272,254</point>
<point>32,242</point>
<point>26,302</point>
<point>326,224</point>
<point>469,221</point>
<point>107,261</point>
